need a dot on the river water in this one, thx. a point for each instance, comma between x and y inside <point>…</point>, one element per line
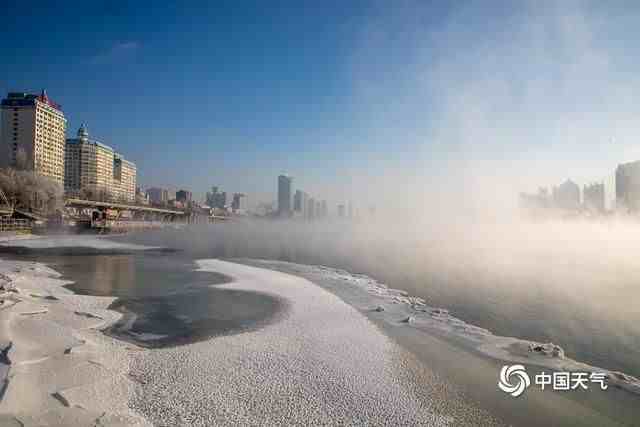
<point>596,319</point>
<point>165,302</point>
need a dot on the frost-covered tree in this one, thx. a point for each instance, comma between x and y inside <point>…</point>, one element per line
<point>27,190</point>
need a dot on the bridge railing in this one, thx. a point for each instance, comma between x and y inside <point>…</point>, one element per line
<point>15,224</point>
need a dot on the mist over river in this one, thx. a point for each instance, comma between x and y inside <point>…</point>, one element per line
<point>559,283</point>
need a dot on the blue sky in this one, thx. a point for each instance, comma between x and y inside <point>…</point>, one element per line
<point>346,96</point>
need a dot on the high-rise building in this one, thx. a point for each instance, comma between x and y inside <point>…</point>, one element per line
<point>88,167</point>
<point>124,179</point>
<point>95,171</point>
<point>158,196</point>
<point>297,202</point>
<point>311,208</point>
<point>324,210</point>
<point>594,197</point>
<point>239,203</point>
<point>284,195</point>
<point>628,186</point>
<point>33,134</point>
<point>567,195</point>
<point>216,199</point>
<point>341,211</point>
<point>184,196</point>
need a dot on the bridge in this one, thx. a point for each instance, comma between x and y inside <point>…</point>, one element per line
<point>119,216</point>
<point>83,204</point>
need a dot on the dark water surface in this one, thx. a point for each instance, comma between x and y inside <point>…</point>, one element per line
<point>163,299</point>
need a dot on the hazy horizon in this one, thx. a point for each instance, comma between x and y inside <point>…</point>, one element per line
<point>387,104</point>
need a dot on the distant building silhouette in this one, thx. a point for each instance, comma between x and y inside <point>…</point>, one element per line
<point>341,211</point>
<point>157,195</point>
<point>216,199</point>
<point>567,196</point>
<point>593,196</point>
<point>239,203</point>
<point>628,186</point>
<point>284,195</point>
<point>184,196</point>
<point>297,201</point>
<point>324,210</point>
<point>311,208</point>
<point>537,201</point>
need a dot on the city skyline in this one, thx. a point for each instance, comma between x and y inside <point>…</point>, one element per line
<point>392,99</point>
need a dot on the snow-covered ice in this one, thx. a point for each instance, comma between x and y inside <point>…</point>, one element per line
<point>396,306</point>
<point>322,363</point>
<point>63,370</point>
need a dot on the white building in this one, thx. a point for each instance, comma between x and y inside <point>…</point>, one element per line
<point>32,134</point>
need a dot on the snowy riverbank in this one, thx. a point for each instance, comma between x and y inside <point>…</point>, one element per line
<point>395,307</point>
<point>63,370</point>
<point>322,363</point>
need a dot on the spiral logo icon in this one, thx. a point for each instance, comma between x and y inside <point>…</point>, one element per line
<point>518,374</point>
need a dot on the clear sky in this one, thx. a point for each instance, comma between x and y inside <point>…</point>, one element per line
<point>350,97</point>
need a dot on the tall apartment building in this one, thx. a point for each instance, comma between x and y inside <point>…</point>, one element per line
<point>184,196</point>
<point>157,195</point>
<point>124,179</point>
<point>32,130</point>
<point>216,199</point>
<point>88,167</point>
<point>628,186</point>
<point>239,202</point>
<point>284,195</point>
<point>94,170</point>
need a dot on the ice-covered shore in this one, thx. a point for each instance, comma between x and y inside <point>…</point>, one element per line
<point>397,306</point>
<point>63,370</point>
<point>323,363</point>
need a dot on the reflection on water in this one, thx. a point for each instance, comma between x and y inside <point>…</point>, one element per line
<point>132,275</point>
<point>164,301</point>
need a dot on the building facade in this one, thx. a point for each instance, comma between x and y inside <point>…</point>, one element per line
<point>158,196</point>
<point>88,167</point>
<point>33,134</point>
<point>184,196</point>
<point>94,171</point>
<point>216,199</point>
<point>310,212</point>
<point>628,186</point>
<point>297,202</point>
<point>239,203</point>
<point>284,195</point>
<point>567,195</point>
<point>124,179</point>
<point>594,198</point>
